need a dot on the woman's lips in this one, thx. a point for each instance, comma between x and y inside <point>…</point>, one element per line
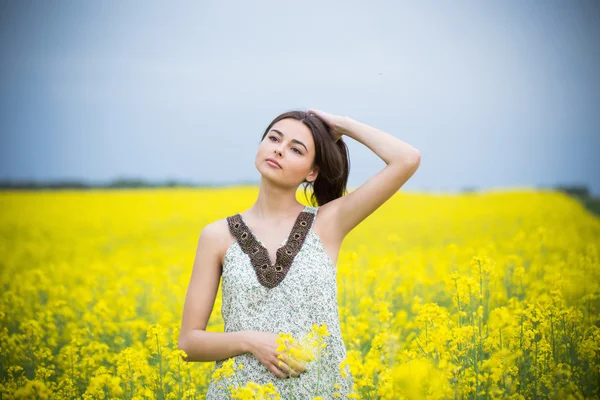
<point>273,164</point>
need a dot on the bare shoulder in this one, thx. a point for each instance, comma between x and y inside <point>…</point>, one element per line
<point>204,279</point>
<point>218,237</point>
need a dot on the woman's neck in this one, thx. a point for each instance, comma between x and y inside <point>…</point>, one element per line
<point>275,203</point>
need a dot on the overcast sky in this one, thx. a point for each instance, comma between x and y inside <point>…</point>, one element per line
<point>493,94</point>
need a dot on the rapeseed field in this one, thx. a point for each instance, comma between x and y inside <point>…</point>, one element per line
<point>478,295</point>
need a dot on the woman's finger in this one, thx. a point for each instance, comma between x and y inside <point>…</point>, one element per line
<point>273,368</point>
<point>287,369</point>
<point>292,361</point>
<point>327,117</point>
<point>313,111</point>
<point>296,365</point>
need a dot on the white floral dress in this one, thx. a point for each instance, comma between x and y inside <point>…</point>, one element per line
<point>290,296</point>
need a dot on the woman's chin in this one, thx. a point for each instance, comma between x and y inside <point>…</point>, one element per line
<point>265,168</point>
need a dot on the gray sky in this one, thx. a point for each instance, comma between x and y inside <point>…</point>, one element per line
<point>494,94</point>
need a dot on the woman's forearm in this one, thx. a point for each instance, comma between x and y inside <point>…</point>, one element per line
<point>201,345</point>
<point>389,148</point>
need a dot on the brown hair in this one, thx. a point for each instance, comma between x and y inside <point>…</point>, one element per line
<point>331,158</point>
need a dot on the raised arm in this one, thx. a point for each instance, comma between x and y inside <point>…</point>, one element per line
<point>402,161</point>
<point>199,344</point>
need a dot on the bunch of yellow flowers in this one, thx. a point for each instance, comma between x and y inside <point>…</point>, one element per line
<point>304,350</point>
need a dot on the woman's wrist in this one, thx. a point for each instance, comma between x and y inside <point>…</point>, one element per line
<point>346,126</point>
<point>246,342</point>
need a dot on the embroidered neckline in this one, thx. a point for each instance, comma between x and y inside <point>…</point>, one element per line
<point>270,275</point>
<point>261,243</point>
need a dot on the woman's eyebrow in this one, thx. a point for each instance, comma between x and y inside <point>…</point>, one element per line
<point>293,140</point>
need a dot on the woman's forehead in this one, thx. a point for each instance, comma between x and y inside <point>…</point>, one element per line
<point>292,129</point>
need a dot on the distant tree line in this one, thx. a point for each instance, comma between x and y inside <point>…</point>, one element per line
<point>119,183</point>
<point>580,191</point>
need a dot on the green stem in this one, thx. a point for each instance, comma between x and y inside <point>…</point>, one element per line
<point>290,377</point>
<point>290,385</point>
<point>318,370</point>
<point>160,379</point>
<point>180,393</point>
<point>130,380</point>
<point>235,376</point>
<point>458,301</point>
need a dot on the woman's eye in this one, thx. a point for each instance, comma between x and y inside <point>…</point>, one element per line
<point>295,149</point>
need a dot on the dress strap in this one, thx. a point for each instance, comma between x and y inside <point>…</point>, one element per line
<point>315,216</point>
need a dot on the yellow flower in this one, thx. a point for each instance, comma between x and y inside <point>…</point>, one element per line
<point>225,371</point>
<point>321,330</point>
<point>253,390</point>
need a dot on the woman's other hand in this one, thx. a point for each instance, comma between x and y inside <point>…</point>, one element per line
<point>263,345</point>
<point>336,123</point>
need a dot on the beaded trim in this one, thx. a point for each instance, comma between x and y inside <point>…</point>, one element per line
<point>270,275</point>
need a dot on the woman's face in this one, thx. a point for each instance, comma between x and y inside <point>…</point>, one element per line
<point>291,144</point>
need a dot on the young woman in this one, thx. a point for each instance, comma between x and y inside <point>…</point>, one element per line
<point>277,260</point>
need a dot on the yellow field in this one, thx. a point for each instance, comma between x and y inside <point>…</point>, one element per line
<point>490,295</point>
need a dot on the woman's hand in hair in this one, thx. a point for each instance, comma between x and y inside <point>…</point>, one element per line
<point>336,123</point>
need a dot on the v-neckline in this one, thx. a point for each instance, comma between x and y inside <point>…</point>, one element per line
<point>260,242</point>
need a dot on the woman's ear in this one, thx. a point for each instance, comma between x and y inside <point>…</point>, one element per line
<point>313,175</point>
